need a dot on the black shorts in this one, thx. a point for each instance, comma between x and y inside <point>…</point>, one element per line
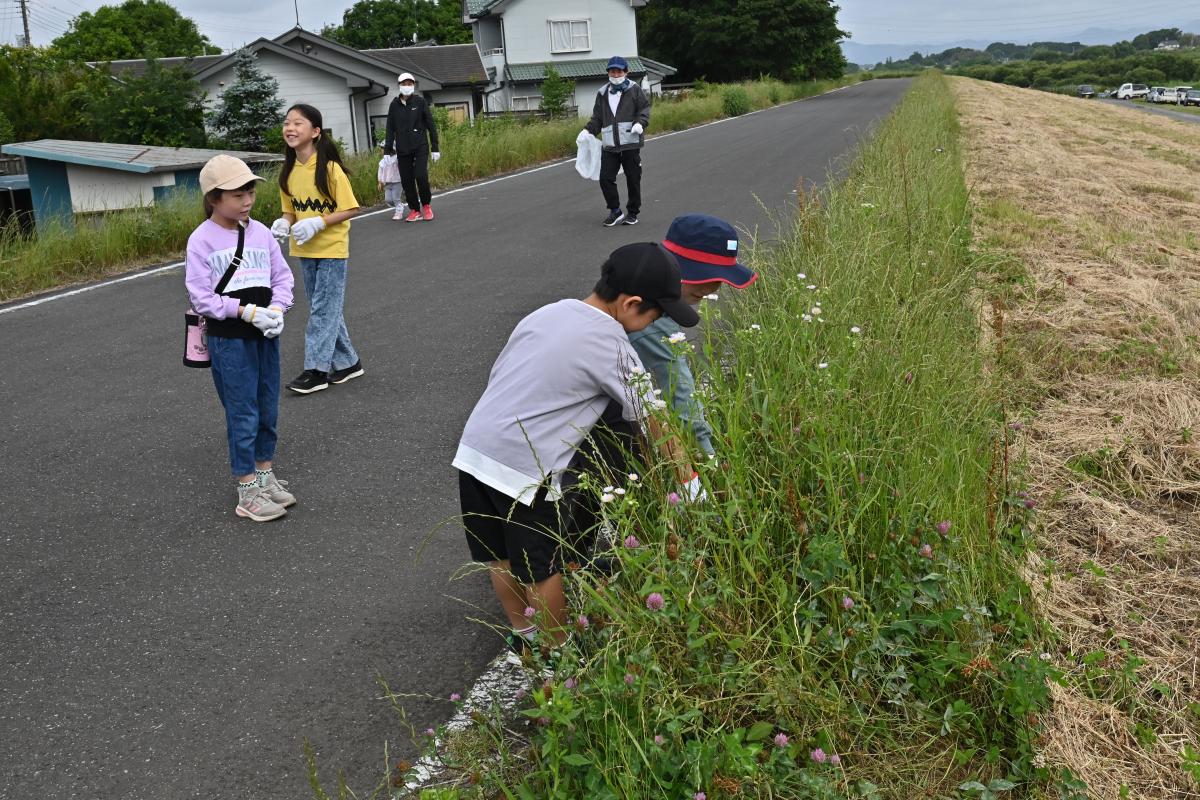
<point>501,529</point>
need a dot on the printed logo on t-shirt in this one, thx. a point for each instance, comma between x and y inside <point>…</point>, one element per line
<point>254,271</point>
<point>314,204</point>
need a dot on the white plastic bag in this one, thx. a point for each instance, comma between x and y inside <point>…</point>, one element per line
<point>587,157</point>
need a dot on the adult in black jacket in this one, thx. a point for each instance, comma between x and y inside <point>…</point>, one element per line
<point>412,132</point>
<point>622,114</point>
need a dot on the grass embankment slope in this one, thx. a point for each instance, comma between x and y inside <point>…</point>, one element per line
<point>843,617</point>
<point>118,241</point>
<point>1090,215</point>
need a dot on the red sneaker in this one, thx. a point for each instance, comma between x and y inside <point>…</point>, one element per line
<point>413,216</point>
<point>427,212</point>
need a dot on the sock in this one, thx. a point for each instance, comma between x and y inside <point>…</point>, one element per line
<point>245,487</point>
<point>528,634</point>
<point>264,475</point>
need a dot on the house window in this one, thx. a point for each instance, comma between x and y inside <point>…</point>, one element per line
<point>532,103</point>
<point>570,36</point>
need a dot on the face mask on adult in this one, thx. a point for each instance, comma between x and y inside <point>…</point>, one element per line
<point>616,81</point>
<point>407,90</point>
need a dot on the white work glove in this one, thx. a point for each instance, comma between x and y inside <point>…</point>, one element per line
<point>281,228</point>
<point>693,491</point>
<point>637,129</point>
<point>436,157</point>
<point>583,136</point>
<point>264,319</point>
<point>278,329</point>
<point>306,229</point>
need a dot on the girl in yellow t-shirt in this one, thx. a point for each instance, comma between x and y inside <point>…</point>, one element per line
<point>318,203</point>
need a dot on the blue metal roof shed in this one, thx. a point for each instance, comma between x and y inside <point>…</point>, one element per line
<point>68,178</point>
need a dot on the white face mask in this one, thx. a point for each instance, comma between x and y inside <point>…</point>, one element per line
<point>616,81</point>
<point>407,90</point>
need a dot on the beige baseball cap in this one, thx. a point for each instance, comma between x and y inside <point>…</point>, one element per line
<point>225,172</point>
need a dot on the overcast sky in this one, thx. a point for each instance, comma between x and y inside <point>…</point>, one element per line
<point>228,23</point>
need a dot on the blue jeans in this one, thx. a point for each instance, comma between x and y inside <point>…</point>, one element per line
<point>326,341</point>
<point>246,373</point>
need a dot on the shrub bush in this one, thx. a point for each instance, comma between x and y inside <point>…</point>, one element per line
<point>735,101</point>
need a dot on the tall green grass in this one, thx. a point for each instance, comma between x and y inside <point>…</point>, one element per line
<point>120,240</point>
<point>849,588</point>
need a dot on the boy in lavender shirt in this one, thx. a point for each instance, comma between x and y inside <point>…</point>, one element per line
<point>243,320</point>
<point>561,367</point>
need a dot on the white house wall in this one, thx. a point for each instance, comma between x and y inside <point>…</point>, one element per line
<point>527,31</point>
<point>299,83</point>
<point>96,189</point>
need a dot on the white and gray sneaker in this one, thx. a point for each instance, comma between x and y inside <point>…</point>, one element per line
<point>254,503</point>
<point>276,489</point>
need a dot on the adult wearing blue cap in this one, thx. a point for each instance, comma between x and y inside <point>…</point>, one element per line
<point>620,117</point>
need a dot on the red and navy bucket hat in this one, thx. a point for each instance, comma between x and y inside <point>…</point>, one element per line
<point>707,250</point>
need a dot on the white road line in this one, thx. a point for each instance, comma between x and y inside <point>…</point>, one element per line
<point>167,267</point>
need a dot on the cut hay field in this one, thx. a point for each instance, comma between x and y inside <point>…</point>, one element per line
<point>1089,217</point>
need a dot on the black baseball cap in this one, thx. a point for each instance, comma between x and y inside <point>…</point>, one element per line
<point>649,271</point>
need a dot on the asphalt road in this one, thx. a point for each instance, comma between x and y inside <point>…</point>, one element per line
<point>1151,108</point>
<point>152,644</point>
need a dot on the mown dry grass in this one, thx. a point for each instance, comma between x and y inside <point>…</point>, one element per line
<point>1089,212</point>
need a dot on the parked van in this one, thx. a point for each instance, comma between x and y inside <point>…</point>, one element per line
<point>1129,91</point>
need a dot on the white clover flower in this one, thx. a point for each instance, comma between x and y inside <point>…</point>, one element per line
<point>677,337</point>
<point>868,205</point>
<point>823,365</point>
<point>815,311</point>
<point>812,286</point>
<point>1045,656</point>
<point>806,317</point>
<point>658,404</point>
<point>657,392</point>
<point>713,296</point>
<point>633,476</point>
<point>637,370</point>
<point>855,330</point>
<point>607,497</point>
<point>618,490</point>
<point>801,275</point>
<point>756,327</point>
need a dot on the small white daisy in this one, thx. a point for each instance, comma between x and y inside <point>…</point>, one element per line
<point>812,286</point>
<point>756,327</point>
<point>711,296</point>
<point>823,365</point>
<point>801,275</point>
<point>816,311</point>
<point>677,337</point>
<point>856,330</point>
<point>633,476</point>
<point>607,497</point>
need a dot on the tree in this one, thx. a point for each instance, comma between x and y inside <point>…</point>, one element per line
<point>134,29</point>
<point>375,24</point>
<point>726,40</point>
<point>163,106</point>
<point>45,95</point>
<point>1151,40</point>
<point>556,91</point>
<point>249,107</point>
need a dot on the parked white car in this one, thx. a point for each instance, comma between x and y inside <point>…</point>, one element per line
<point>1161,94</point>
<point>1129,91</point>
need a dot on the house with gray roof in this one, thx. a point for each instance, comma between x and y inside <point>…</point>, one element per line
<point>518,39</point>
<point>352,88</point>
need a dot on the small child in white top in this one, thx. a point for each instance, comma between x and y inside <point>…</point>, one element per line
<point>389,182</point>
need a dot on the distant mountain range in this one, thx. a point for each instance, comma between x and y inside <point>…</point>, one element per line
<point>858,53</point>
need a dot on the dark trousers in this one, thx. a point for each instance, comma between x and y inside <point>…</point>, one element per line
<point>414,177</point>
<point>609,452</point>
<point>610,163</point>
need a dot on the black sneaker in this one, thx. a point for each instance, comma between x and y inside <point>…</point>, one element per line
<point>631,218</point>
<point>518,645</point>
<point>343,375</point>
<point>614,216</point>
<point>309,381</point>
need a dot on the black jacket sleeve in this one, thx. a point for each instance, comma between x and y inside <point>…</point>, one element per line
<point>597,121</point>
<point>433,133</point>
<point>642,108</point>
<point>389,139</point>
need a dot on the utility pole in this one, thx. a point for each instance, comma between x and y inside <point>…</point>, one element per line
<point>25,19</point>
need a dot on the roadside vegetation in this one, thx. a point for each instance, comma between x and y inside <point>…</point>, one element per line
<point>106,243</point>
<point>844,616</point>
<point>1089,217</point>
